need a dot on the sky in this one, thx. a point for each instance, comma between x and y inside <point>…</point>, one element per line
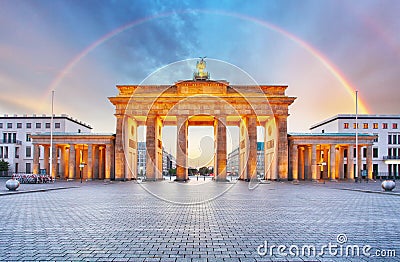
<point>323,51</point>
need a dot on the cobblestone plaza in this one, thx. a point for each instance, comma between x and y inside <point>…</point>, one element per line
<point>197,221</point>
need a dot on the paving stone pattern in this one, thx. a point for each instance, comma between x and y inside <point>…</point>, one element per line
<point>166,221</point>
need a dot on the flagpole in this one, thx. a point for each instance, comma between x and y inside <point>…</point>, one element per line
<point>51,135</point>
<point>357,173</point>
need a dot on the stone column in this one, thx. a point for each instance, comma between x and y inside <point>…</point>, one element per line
<point>153,148</point>
<point>332,152</point>
<point>90,162</point>
<point>319,160</point>
<point>62,162</point>
<point>182,147</point>
<point>96,162</point>
<point>282,147</point>
<point>131,150</point>
<point>294,162</point>
<point>359,162</point>
<point>369,162</point>
<point>221,148</point>
<point>307,162</point>
<point>314,162</point>
<point>302,163</point>
<point>72,162</point>
<point>252,161</point>
<point>101,162</point>
<point>350,162</point>
<point>107,170</point>
<point>46,158</point>
<point>36,149</point>
<point>243,150</point>
<point>54,167</point>
<point>341,163</point>
<point>325,172</point>
<point>119,148</point>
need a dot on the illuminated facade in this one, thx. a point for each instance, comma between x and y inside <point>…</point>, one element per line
<point>207,103</point>
<point>386,147</point>
<point>15,142</point>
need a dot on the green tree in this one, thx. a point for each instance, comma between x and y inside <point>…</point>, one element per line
<point>203,170</point>
<point>192,171</point>
<point>4,166</point>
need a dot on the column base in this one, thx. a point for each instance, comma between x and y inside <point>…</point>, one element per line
<point>107,180</point>
<point>122,179</point>
<point>251,180</point>
<point>333,180</point>
<point>295,181</point>
<point>222,180</point>
<point>181,180</point>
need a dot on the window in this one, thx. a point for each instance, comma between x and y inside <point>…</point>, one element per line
<point>394,126</point>
<point>375,152</point>
<point>346,125</point>
<point>354,152</point>
<point>389,139</point>
<point>5,152</point>
<point>364,151</point>
<point>1,125</point>
<point>356,126</point>
<point>47,125</point>
<point>38,125</point>
<point>28,151</point>
<point>365,125</point>
<point>394,139</point>
<point>28,168</point>
<point>345,153</point>
<point>385,126</point>
<point>375,126</point>
<point>377,137</point>
<point>28,137</point>
<point>57,125</point>
<point>9,125</point>
<point>28,125</point>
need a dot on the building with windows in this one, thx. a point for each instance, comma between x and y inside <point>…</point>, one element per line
<point>386,147</point>
<point>169,162</point>
<point>16,146</point>
<point>141,161</point>
<point>232,166</point>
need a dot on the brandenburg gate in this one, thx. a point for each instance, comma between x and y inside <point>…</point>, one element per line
<point>202,102</point>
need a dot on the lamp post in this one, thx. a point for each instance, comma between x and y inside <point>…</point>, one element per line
<point>357,174</point>
<point>51,135</point>
<point>81,166</point>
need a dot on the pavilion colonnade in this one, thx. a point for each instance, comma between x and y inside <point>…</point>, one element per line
<point>93,153</point>
<point>328,156</point>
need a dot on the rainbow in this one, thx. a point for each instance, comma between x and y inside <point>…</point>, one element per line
<point>308,47</point>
